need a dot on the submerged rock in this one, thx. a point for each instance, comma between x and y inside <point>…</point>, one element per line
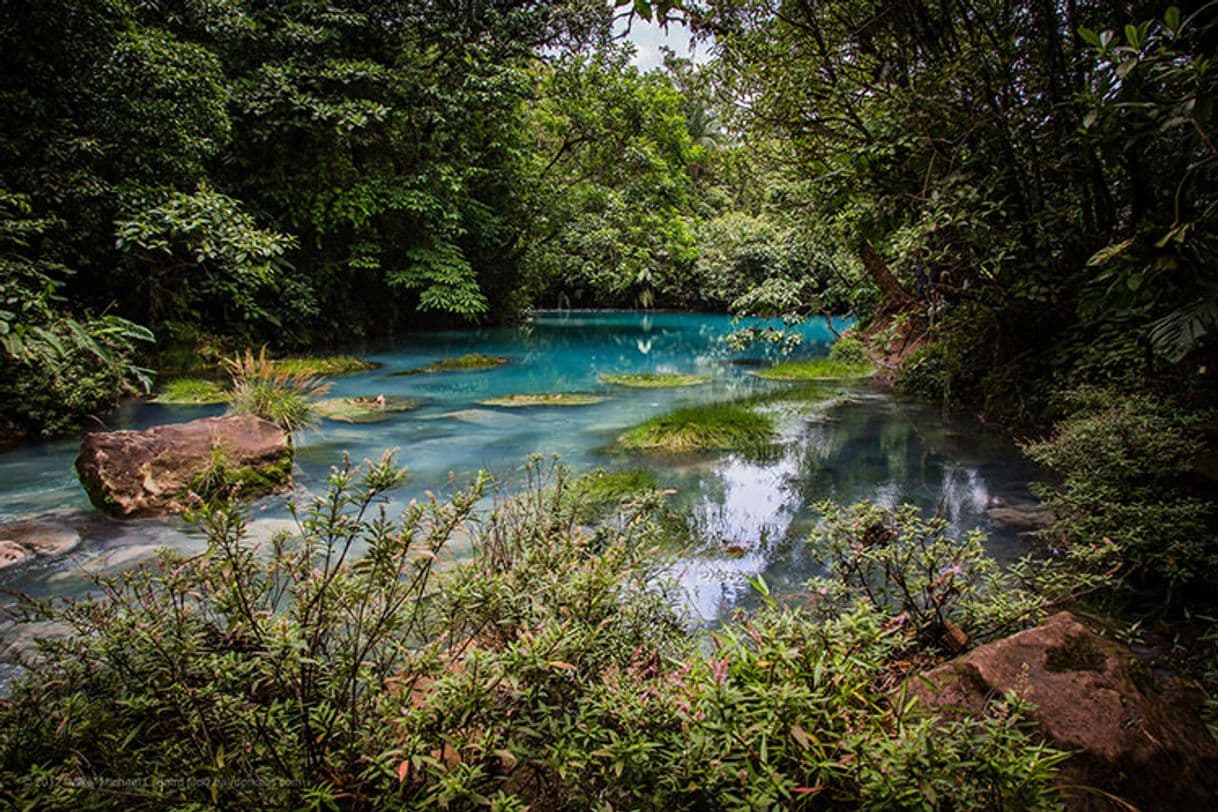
<point>12,554</point>
<point>153,472</point>
<point>1134,735</point>
<point>1020,516</point>
<point>44,538</point>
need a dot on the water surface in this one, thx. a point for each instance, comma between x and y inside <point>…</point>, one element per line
<point>751,516</point>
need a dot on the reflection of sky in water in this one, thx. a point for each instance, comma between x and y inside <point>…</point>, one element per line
<point>870,447</point>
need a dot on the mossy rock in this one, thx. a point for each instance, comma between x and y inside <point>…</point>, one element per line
<point>323,365</point>
<point>655,380</point>
<point>221,479</point>
<point>544,399</point>
<point>470,362</point>
<point>711,427</point>
<point>363,409</point>
<point>815,370</point>
<point>191,392</point>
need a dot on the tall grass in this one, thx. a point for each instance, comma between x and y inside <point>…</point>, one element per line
<point>260,387</point>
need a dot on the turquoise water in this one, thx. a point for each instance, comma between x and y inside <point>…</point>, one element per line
<point>866,446</point>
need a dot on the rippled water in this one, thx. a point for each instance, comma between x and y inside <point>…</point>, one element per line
<point>868,445</point>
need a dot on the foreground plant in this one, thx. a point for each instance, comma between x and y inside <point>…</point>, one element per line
<point>1124,462</point>
<point>336,666</point>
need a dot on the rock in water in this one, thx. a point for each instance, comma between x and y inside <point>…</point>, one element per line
<point>1134,735</point>
<point>153,472</point>
<point>12,553</point>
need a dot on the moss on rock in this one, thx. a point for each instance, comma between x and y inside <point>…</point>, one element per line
<point>654,380</point>
<point>543,399</point>
<point>469,362</point>
<point>191,392</point>
<point>815,369</point>
<point>364,409</point>
<point>710,427</point>
<point>323,365</point>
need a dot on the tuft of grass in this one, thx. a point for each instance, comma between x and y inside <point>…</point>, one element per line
<point>363,409</point>
<point>543,399</point>
<point>462,363</point>
<point>709,427</point>
<point>815,369</point>
<point>191,392</point>
<point>323,365</point>
<point>655,380</point>
<point>611,487</point>
<point>262,388</point>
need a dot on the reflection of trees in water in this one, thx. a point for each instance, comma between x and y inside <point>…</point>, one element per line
<point>878,450</point>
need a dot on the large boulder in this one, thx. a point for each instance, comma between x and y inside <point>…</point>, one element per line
<point>1134,734</point>
<point>154,472</point>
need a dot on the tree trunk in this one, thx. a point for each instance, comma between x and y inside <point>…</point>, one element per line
<point>892,293</point>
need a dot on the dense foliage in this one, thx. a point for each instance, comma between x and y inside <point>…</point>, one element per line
<point>336,666</point>
<point>1036,197</point>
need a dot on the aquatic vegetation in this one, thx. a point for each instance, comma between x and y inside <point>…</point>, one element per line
<point>815,369</point>
<point>462,363</point>
<point>191,392</point>
<point>323,365</point>
<point>709,427</point>
<point>261,388</point>
<point>654,380</point>
<point>544,399</point>
<point>364,409</point>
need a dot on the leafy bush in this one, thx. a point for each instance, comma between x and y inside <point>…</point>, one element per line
<point>549,671</point>
<point>1122,459</point>
<point>849,349</point>
<point>54,369</point>
<point>262,389</point>
<point>925,373</point>
<point>945,591</point>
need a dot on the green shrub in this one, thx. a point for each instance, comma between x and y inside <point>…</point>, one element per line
<point>261,388</point>
<point>1122,459</point>
<point>925,373</point>
<point>849,349</point>
<point>946,591</point>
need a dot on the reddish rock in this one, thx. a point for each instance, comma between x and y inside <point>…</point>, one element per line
<point>1135,736</point>
<point>153,472</point>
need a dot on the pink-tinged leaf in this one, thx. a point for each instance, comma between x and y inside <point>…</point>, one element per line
<point>403,769</point>
<point>809,790</point>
